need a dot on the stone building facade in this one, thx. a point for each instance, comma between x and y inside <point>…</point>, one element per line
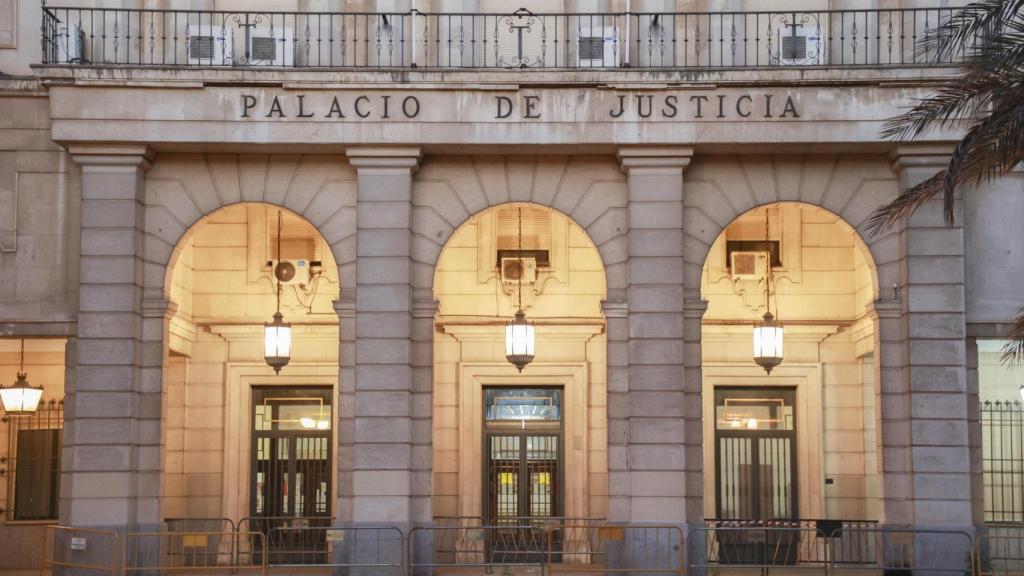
<point>139,204</point>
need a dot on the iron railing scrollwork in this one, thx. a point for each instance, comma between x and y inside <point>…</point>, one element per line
<point>518,40</point>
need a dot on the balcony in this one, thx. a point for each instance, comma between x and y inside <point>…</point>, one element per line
<point>522,40</point>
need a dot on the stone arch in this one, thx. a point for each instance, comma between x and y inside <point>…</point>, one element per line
<point>719,189</point>
<point>182,190</point>
<point>590,190</point>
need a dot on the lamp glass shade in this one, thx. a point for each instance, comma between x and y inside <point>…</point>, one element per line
<point>21,398</point>
<point>520,341</point>
<point>277,342</point>
<point>768,339</point>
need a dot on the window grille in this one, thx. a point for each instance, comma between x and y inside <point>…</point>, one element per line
<point>1002,445</point>
<point>33,462</point>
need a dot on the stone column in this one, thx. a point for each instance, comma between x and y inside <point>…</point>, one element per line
<point>423,311</point>
<point>111,453</point>
<point>345,307</point>
<point>932,393</point>
<point>936,374</point>
<point>383,483</point>
<point>693,316</point>
<point>655,456</point>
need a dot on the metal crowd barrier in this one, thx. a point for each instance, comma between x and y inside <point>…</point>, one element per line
<point>896,551</point>
<point>615,549</point>
<point>200,525</point>
<point>999,554</point>
<point>79,549</point>
<point>999,549</point>
<point>456,521</point>
<point>762,547</point>
<point>194,551</point>
<point>336,547</point>
<point>488,547</point>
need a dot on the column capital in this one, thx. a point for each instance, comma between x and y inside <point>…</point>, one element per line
<point>100,155</point>
<point>885,309</point>
<point>932,155</point>
<point>425,308</point>
<point>694,308</point>
<point>674,158</point>
<point>345,306</point>
<point>615,308</point>
<point>385,157</point>
<point>158,308</point>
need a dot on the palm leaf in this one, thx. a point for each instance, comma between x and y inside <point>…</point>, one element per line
<point>1013,350</point>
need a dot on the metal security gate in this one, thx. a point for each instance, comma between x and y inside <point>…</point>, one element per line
<point>755,459</point>
<point>291,471</point>
<point>523,475</point>
<point>1002,448</point>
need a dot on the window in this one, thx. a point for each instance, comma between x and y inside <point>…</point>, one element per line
<point>748,234</point>
<point>34,489</point>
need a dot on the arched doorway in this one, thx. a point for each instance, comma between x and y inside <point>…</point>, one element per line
<point>799,442</point>
<point>240,440</point>
<point>507,444</point>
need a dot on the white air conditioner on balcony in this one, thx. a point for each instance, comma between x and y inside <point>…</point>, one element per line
<point>598,47</point>
<point>748,265</point>
<point>271,46</point>
<point>799,45</point>
<point>70,44</point>
<point>514,269</point>
<point>209,45</point>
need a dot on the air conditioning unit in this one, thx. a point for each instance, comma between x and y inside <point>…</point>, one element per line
<point>209,46</point>
<point>514,269</point>
<point>70,47</point>
<point>271,46</point>
<point>598,47</point>
<point>292,272</point>
<point>799,45</point>
<point>749,265</point>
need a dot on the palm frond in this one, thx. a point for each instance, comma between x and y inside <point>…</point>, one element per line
<point>888,216</point>
<point>990,148</point>
<point>963,29</point>
<point>1013,350</point>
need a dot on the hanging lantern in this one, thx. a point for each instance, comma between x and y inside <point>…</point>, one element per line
<point>519,337</point>
<point>767,333</point>
<point>277,335</point>
<point>768,343</point>
<point>277,342</point>
<point>21,398</point>
<point>519,341</point>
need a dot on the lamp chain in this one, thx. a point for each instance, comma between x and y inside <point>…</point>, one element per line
<point>279,219</point>
<point>21,369</point>
<point>768,276</point>
<point>520,252</point>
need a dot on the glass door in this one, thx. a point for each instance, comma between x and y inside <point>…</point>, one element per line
<point>523,475</point>
<point>291,471</point>
<point>755,459</point>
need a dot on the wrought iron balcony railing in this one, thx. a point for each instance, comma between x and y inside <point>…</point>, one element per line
<point>520,40</point>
